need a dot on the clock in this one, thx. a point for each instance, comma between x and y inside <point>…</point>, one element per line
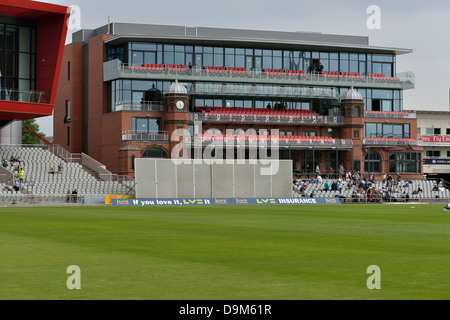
<point>180,104</point>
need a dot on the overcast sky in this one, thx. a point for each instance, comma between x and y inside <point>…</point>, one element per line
<point>422,26</point>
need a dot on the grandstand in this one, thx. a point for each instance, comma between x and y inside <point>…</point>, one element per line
<point>400,191</point>
<point>38,164</point>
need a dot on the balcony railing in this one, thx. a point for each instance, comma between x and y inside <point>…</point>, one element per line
<point>291,141</point>
<point>373,141</point>
<point>259,118</point>
<point>390,115</point>
<point>24,95</point>
<point>147,106</point>
<point>116,69</point>
<point>129,135</point>
<point>264,90</point>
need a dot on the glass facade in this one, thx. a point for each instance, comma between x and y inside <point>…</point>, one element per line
<point>380,99</point>
<point>17,57</point>
<point>384,130</point>
<point>132,91</point>
<point>253,58</point>
<point>257,59</point>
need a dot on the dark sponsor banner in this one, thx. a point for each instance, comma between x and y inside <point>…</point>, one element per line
<point>437,161</point>
<point>223,201</point>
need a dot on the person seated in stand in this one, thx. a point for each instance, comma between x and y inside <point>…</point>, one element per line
<point>326,186</point>
<point>206,109</point>
<point>4,163</point>
<point>269,106</point>
<point>435,188</point>
<point>51,171</point>
<point>319,179</point>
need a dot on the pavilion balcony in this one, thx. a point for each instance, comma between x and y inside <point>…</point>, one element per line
<point>293,142</point>
<point>115,69</point>
<point>31,96</point>
<point>266,118</point>
<point>145,106</point>
<point>390,114</point>
<point>148,136</point>
<point>375,141</point>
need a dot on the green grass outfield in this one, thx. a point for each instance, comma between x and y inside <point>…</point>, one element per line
<point>226,252</point>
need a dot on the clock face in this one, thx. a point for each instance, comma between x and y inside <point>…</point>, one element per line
<point>180,104</point>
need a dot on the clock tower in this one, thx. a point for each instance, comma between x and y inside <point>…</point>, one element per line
<point>176,99</point>
<point>176,113</point>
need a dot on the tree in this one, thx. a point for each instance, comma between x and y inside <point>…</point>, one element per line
<point>27,136</point>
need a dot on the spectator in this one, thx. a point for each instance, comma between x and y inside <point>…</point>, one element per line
<point>60,168</point>
<point>21,174</point>
<point>52,171</point>
<point>319,179</point>
<point>74,195</point>
<point>16,186</point>
<point>4,163</point>
<point>331,173</point>
<point>341,171</point>
<point>326,186</point>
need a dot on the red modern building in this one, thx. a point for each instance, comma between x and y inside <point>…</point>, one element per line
<point>32,39</point>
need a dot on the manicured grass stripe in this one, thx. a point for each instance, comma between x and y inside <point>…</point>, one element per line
<point>230,252</point>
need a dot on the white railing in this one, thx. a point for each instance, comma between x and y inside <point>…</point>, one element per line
<point>66,155</point>
<point>391,141</point>
<point>390,114</point>
<point>147,106</point>
<point>266,118</point>
<point>129,135</point>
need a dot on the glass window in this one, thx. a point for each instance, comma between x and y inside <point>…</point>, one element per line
<point>404,162</point>
<point>154,153</point>
<point>372,162</point>
<point>433,153</point>
<point>229,60</point>
<point>208,59</point>
<point>398,131</point>
<point>179,58</point>
<point>277,62</point>
<point>387,105</point>
<point>370,130</point>
<point>143,46</point>
<point>24,39</point>
<point>141,125</point>
<point>138,59</point>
